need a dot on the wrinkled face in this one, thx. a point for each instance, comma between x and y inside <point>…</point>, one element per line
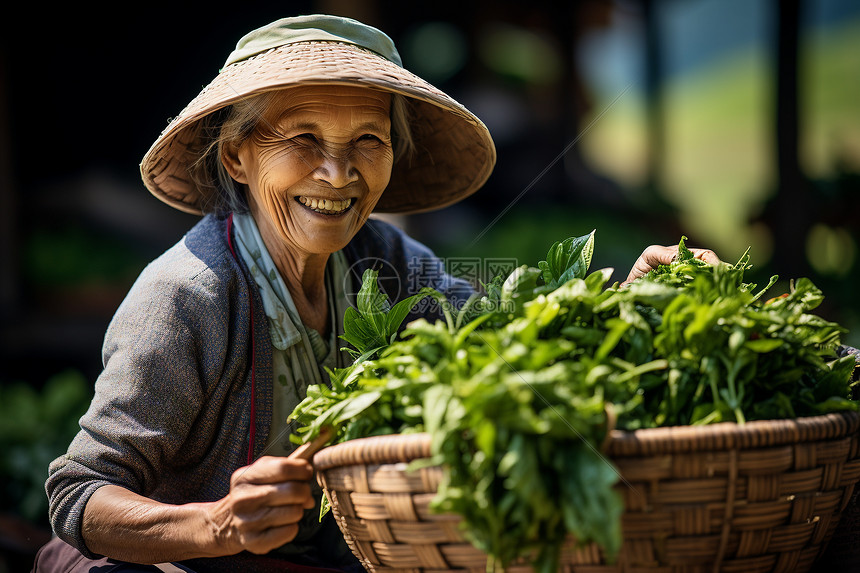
<point>317,165</point>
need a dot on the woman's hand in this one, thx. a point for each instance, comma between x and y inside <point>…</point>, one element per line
<point>261,512</point>
<point>266,501</point>
<point>657,255</point>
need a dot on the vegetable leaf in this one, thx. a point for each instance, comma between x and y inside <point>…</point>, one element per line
<point>567,259</point>
<point>373,323</point>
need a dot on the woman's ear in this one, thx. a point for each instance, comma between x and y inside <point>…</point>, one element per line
<point>232,163</point>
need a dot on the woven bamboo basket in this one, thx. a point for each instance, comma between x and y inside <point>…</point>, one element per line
<point>764,496</point>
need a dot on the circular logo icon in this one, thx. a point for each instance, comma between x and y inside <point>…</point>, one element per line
<point>387,278</point>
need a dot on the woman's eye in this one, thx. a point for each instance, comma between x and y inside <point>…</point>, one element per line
<point>368,137</point>
<point>309,137</point>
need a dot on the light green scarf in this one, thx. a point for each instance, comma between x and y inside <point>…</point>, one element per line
<point>300,353</point>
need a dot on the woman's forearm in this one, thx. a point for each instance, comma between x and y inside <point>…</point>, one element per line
<point>129,527</point>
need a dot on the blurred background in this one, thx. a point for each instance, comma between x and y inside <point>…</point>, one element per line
<point>733,122</point>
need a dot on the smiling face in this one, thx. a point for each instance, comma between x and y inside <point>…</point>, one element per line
<point>315,166</point>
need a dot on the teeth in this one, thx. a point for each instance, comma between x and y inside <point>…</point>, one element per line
<point>325,205</point>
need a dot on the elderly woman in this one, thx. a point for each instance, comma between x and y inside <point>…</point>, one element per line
<point>310,127</point>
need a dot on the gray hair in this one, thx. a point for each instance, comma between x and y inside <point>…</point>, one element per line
<point>235,124</point>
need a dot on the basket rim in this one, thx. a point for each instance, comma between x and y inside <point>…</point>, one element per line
<point>393,448</point>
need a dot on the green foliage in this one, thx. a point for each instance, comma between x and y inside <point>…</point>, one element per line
<point>566,260</point>
<point>519,388</point>
<point>373,323</point>
<point>35,428</point>
<point>71,255</point>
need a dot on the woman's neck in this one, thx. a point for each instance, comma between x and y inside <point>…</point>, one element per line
<point>304,276</point>
<point>305,279</point>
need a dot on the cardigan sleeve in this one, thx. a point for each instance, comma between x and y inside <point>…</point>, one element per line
<point>163,346</point>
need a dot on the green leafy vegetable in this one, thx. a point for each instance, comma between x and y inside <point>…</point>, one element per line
<point>373,322</point>
<point>567,259</point>
<point>519,387</point>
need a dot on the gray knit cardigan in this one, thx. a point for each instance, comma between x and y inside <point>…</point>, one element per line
<point>170,418</point>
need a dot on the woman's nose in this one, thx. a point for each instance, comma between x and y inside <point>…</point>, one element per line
<point>336,171</point>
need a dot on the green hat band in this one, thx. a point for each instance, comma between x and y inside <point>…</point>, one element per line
<point>314,28</point>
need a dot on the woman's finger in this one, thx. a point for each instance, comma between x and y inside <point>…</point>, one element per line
<point>267,517</point>
<point>272,538</point>
<point>249,498</point>
<point>273,469</point>
<point>706,255</point>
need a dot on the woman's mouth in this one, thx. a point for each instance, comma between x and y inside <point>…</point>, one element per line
<point>325,206</point>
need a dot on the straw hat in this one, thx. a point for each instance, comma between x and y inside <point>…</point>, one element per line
<point>454,153</point>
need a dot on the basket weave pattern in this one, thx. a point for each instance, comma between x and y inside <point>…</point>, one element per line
<point>766,496</point>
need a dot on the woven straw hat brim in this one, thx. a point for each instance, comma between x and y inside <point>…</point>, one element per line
<point>454,152</point>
